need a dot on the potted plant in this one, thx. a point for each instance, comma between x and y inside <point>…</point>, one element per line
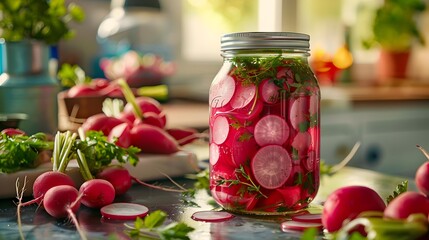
<point>28,30</point>
<point>395,30</point>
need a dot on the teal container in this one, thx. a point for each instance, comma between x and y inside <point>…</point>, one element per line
<point>26,85</point>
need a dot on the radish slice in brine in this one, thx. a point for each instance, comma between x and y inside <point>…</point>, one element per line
<point>214,153</point>
<point>299,114</point>
<point>124,211</point>
<point>221,91</point>
<point>271,166</point>
<point>221,126</point>
<point>299,226</point>
<point>211,216</point>
<point>271,129</point>
<point>244,94</point>
<point>269,91</point>
<point>308,218</point>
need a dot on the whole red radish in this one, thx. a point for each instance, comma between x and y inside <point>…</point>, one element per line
<point>97,193</point>
<point>12,132</point>
<point>422,178</point>
<point>151,118</point>
<point>121,135</point>
<point>48,180</point>
<point>347,203</point>
<point>59,200</point>
<point>183,135</point>
<point>406,204</point>
<point>146,104</point>
<point>118,176</point>
<point>101,122</point>
<point>151,139</point>
<point>82,90</point>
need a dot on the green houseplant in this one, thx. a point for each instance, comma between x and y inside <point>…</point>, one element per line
<point>395,30</point>
<point>28,29</point>
<point>41,20</point>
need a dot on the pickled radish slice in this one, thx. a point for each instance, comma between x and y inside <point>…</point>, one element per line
<point>299,226</point>
<point>214,153</point>
<point>221,91</point>
<point>269,91</point>
<point>271,129</point>
<point>271,166</point>
<point>249,112</point>
<point>299,114</point>
<point>308,218</point>
<point>243,147</point>
<point>212,216</point>
<point>301,143</point>
<point>124,211</point>
<point>221,125</point>
<point>243,96</point>
<point>310,161</point>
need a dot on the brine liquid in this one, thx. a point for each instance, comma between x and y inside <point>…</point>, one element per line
<point>264,135</point>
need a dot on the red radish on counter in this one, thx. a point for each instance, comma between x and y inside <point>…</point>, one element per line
<point>97,193</point>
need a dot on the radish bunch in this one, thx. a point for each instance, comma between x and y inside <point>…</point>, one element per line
<point>142,124</point>
<point>96,88</point>
<point>406,213</point>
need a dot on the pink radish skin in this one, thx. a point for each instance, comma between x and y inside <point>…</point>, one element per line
<point>101,122</point>
<point>97,193</point>
<point>347,203</point>
<point>271,166</point>
<point>406,204</point>
<point>121,135</point>
<point>12,132</point>
<point>146,104</point>
<point>212,216</point>
<point>48,180</point>
<point>82,91</point>
<point>309,218</point>
<point>118,176</point>
<point>271,129</point>
<point>151,139</point>
<point>183,135</point>
<point>154,119</point>
<point>243,96</point>
<point>59,200</point>
<point>422,178</point>
<point>124,211</point>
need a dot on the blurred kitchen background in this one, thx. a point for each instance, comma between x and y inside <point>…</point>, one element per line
<point>388,115</point>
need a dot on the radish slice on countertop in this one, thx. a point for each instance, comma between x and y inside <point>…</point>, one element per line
<point>308,218</point>
<point>299,226</point>
<point>124,211</point>
<point>211,216</point>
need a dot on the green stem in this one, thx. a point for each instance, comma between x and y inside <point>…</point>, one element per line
<point>65,150</point>
<point>129,96</point>
<point>83,166</point>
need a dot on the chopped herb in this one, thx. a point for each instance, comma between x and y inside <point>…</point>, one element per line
<point>152,227</point>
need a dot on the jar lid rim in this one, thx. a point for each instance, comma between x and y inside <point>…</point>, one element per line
<point>255,40</point>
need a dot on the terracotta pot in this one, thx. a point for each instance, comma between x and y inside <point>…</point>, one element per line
<point>392,65</point>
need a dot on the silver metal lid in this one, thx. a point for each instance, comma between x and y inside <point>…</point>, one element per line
<point>267,40</point>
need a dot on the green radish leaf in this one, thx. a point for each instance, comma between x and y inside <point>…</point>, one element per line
<point>155,219</point>
<point>400,188</point>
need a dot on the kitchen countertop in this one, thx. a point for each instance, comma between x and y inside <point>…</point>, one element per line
<point>39,225</point>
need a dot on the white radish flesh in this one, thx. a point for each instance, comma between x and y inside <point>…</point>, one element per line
<point>124,211</point>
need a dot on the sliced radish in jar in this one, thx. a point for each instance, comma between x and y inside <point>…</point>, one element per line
<point>269,91</point>
<point>221,91</point>
<point>271,129</point>
<point>220,129</point>
<point>124,211</point>
<point>249,112</point>
<point>243,96</point>
<point>299,226</point>
<point>214,153</point>
<point>271,166</point>
<point>243,147</point>
<point>310,161</point>
<point>308,218</point>
<point>301,144</point>
<point>299,114</point>
<point>212,216</point>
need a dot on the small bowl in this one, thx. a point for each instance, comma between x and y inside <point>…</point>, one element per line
<point>11,120</point>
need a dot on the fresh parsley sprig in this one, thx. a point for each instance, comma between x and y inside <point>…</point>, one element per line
<point>20,152</point>
<point>152,227</point>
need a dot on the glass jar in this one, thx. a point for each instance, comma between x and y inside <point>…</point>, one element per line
<point>264,124</point>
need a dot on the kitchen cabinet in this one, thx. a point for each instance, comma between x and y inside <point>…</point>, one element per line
<point>388,129</point>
